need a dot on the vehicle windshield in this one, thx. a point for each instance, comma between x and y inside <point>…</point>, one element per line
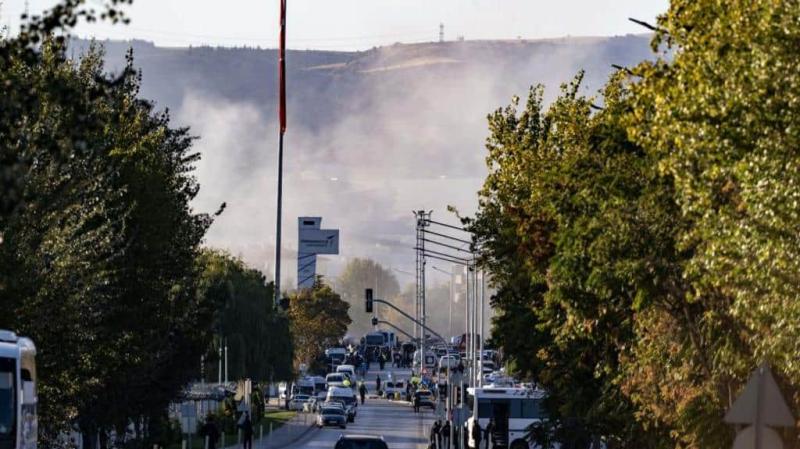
<point>301,397</point>
<point>374,340</point>
<point>332,411</point>
<point>306,389</point>
<point>7,398</point>
<point>347,400</point>
<point>336,378</point>
<point>361,444</point>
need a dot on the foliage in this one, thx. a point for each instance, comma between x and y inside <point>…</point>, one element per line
<point>97,238</point>
<point>319,319</point>
<point>257,336</point>
<point>358,275</point>
<point>644,253</point>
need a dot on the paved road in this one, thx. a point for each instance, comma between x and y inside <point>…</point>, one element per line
<point>396,422</point>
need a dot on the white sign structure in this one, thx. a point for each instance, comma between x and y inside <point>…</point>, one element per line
<point>319,241</point>
<point>760,406</point>
<point>312,240</point>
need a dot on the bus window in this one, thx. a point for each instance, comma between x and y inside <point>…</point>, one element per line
<point>7,399</point>
<point>531,408</point>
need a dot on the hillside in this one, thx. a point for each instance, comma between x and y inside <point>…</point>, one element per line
<point>402,126</point>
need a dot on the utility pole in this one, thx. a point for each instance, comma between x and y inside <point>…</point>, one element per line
<point>423,221</point>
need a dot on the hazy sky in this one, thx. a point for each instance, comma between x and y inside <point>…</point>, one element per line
<point>358,24</point>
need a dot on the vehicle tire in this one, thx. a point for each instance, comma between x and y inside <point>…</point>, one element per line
<point>519,444</point>
<point>342,427</point>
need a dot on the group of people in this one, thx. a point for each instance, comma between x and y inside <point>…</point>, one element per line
<point>479,435</point>
<point>211,431</point>
<point>440,435</point>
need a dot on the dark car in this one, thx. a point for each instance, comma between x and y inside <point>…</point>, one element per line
<point>360,442</point>
<point>425,398</point>
<point>332,416</point>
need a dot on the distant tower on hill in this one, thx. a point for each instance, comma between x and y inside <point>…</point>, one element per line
<point>441,32</point>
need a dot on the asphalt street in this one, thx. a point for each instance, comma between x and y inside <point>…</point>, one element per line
<point>400,427</point>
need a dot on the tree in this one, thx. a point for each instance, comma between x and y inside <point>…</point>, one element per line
<point>256,334</point>
<point>98,238</point>
<point>358,275</point>
<point>319,319</point>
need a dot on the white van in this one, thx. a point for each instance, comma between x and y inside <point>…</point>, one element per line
<point>350,370</point>
<point>347,397</point>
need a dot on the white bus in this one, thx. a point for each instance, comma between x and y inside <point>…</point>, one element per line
<point>18,423</point>
<point>513,410</point>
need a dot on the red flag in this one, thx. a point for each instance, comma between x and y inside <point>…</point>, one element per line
<point>282,68</point>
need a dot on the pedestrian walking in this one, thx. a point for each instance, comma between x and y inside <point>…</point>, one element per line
<point>211,431</point>
<point>439,434</point>
<point>416,403</point>
<point>362,390</point>
<point>490,432</point>
<point>247,431</point>
<point>476,434</point>
<point>445,432</point>
<point>378,383</point>
<point>382,361</point>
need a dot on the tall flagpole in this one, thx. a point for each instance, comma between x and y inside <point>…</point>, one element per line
<point>282,119</point>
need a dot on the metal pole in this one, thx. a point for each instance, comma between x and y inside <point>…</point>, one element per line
<point>278,222</point>
<point>226,361</point>
<point>483,312</point>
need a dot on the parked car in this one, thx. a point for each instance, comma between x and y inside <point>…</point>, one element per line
<point>396,388</point>
<point>360,442</point>
<point>298,402</point>
<point>312,405</point>
<point>332,416</point>
<point>449,361</point>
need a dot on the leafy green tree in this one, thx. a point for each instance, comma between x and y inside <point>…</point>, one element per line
<point>319,319</point>
<point>257,336</point>
<point>98,238</point>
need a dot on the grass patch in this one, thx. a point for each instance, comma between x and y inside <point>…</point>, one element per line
<point>277,418</point>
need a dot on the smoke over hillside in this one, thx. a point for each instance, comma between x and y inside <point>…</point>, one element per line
<point>372,135</point>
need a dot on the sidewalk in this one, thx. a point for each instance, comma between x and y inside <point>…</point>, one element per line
<point>283,436</point>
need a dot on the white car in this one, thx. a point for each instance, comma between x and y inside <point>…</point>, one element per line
<point>449,361</point>
<point>395,388</point>
<point>335,380</point>
<point>350,370</point>
<point>298,402</point>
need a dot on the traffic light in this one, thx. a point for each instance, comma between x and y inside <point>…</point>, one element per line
<point>368,294</point>
<point>374,321</point>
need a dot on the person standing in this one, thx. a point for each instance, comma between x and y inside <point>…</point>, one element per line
<point>210,431</point>
<point>382,361</point>
<point>476,434</point>
<point>416,403</point>
<point>378,384</point>
<point>490,433</point>
<point>247,431</point>
<point>435,428</point>
<point>445,432</point>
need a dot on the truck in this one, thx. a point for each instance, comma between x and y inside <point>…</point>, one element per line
<point>18,419</point>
